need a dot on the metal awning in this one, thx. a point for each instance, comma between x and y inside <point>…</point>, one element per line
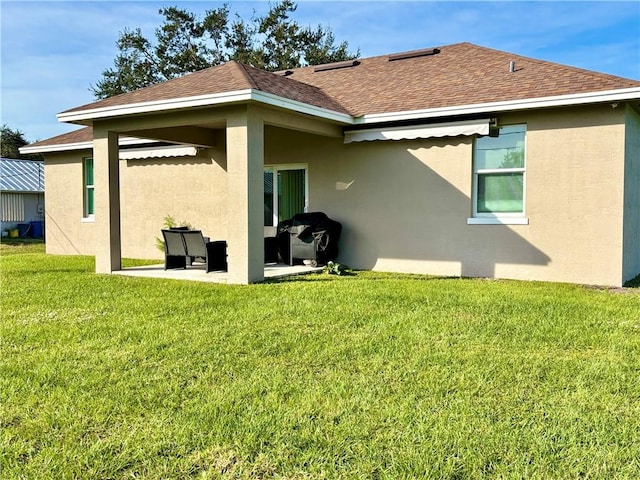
<point>158,152</point>
<point>449,129</point>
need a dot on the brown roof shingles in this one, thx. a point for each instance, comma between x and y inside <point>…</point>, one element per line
<point>77,136</point>
<point>291,89</point>
<point>460,74</point>
<point>228,77</point>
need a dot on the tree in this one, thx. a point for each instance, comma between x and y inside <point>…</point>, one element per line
<point>184,44</point>
<point>282,46</point>
<point>10,143</point>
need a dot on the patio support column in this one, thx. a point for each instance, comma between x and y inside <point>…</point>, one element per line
<point>245,196</point>
<point>106,177</point>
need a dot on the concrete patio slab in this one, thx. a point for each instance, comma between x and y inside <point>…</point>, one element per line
<point>196,273</point>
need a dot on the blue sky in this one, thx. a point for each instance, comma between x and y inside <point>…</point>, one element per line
<point>52,51</point>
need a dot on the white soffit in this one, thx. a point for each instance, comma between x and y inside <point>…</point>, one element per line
<point>434,130</point>
<point>158,152</point>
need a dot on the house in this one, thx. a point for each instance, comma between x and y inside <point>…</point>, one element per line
<point>459,160</point>
<point>21,196</point>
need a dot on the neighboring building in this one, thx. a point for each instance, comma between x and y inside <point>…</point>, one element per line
<point>457,161</point>
<point>21,196</point>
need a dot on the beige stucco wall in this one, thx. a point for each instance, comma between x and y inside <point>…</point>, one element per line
<point>404,205</point>
<point>191,189</point>
<point>574,194</point>
<point>66,232</point>
<point>631,254</point>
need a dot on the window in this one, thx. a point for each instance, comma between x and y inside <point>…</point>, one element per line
<point>285,192</point>
<point>498,176</point>
<point>89,205</point>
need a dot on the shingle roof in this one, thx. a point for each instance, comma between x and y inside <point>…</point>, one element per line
<point>453,75</point>
<point>21,175</point>
<point>459,74</point>
<point>229,77</point>
<point>291,89</point>
<point>77,136</point>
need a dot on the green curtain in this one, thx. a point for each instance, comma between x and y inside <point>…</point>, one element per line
<point>291,192</point>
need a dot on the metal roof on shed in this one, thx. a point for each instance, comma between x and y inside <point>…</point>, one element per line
<point>21,175</point>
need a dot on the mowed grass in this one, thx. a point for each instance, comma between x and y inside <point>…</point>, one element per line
<point>368,376</point>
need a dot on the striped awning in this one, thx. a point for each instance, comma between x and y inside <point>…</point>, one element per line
<point>449,129</point>
<point>158,152</point>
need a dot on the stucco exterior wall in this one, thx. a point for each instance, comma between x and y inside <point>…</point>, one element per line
<point>631,254</point>
<point>66,233</point>
<point>404,205</point>
<point>575,179</point>
<point>191,189</point>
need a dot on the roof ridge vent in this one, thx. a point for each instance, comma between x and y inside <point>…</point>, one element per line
<point>414,53</point>
<point>336,65</point>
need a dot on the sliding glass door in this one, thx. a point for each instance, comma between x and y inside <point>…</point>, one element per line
<point>285,192</point>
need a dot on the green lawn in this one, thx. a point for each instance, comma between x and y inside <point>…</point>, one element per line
<point>366,376</point>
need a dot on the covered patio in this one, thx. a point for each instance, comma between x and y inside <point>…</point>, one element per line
<point>232,123</point>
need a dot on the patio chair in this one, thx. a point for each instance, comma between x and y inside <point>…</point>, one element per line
<point>213,254</point>
<point>175,254</point>
<point>189,260</point>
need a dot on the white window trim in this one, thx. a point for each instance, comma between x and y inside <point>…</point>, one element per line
<point>87,217</point>
<point>505,218</point>
<point>288,166</point>
<point>485,171</point>
<point>498,221</point>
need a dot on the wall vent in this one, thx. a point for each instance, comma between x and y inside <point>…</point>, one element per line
<point>414,53</point>
<point>337,65</point>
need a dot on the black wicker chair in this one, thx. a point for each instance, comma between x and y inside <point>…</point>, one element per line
<point>175,253</point>
<point>181,245</point>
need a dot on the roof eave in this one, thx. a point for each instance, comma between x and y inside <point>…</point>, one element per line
<point>86,117</point>
<point>65,147</point>
<point>301,107</point>
<point>617,95</point>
